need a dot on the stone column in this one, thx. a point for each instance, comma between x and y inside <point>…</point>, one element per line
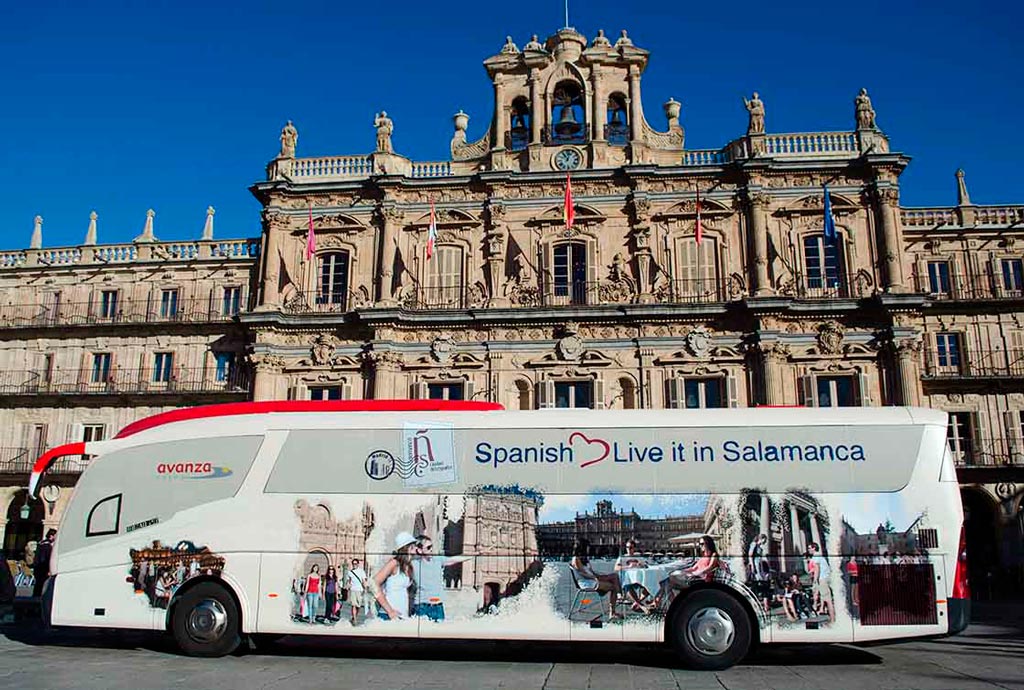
<point>385,365</point>
<point>757,208</point>
<point>270,286</point>
<point>907,354</point>
<point>766,516</point>
<point>392,222</point>
<point>892,247</point>
<point>500,113</point>
<point>794,530</point>
<point>536,108</point>
<point>266,372</point>
<point>634,103</point>
<point>773,355</point>
<point>494,242</point>
<point>598,110</point>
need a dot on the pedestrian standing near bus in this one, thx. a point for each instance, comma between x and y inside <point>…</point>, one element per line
<point>41,565</point>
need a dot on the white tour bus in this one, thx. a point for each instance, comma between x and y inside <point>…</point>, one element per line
<point>710,530</point>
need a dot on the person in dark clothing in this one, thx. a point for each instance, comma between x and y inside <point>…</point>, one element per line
<point>7,586</point>
<point>41,565</point>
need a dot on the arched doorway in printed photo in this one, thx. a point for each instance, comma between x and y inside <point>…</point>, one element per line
<point>21,530</point>
<point>981,527</point>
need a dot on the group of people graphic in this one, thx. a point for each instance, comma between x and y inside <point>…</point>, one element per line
<point>800,598</point>
<point>409,583</point>
<point>158,571</point>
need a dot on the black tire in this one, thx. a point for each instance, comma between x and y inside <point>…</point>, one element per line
<point>711,630</point>
<point>205,621</point>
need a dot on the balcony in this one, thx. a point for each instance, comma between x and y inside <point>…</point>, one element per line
<point>436,298</point>
<point>88,382</point>
<point>243,250</point>
<point>974,364</point>
<point>991,453</point>
<point>123,312</point>
<point>842,287</point>
<point>965,287</point>
<point>21,461</point>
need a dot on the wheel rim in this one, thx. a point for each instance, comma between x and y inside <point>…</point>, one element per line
<point>207,621</point>
<point>710,631</point>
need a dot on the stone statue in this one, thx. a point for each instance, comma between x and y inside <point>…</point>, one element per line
<point>624,40</point>
<point>601,41</point>
<point>509,48</point>
<point>384,127</point>
<point>756,109</point>
<point>865,113</point>
<point>289,140</point>
<point>533,44</point>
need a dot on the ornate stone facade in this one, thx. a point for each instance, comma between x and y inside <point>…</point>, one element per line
<point>622,309</point>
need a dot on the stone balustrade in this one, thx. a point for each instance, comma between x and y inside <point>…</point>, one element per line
<point>328,167</point>
<point>927,217</point>
<point>998,215</point>
<point>812,145</point>
<point>959,216</point>
<point>432,169</point>
<point>184,251</point>
<point>706,157</point>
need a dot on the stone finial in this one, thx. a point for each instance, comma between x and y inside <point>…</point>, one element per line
<point>863,111</point>
<point>509,48</point>
<point>208,227</point>
<point>461,121</point>
<point>37,234</point>
<point>672,108</point>
<point>147,230</point>
<point>624,40</point>
<point>962,197</point>
<point>384,127</point>
<point>289,141</point>
<point>90,234</point>
<point>755,107</point>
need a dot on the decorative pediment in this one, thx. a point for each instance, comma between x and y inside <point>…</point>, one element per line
<point>814,204</point>
<point>709,208</point>
<point>458,361</point>
<point>449,218</point>
<point>334,363</point>
<point>334,223</point>
<point>589,358</point>
<point>555,217</point>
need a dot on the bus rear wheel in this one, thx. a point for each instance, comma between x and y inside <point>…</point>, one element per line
<point>711,631</point>
<point>205,621</point>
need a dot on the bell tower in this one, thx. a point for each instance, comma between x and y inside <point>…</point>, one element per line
<point>567,105</point>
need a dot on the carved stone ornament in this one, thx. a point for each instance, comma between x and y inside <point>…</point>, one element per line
<point>698,341</point>
<point>570,345</point>
<point>322,349</point>
<point>264,361</point>
<point>830,338</point>
<point>441,349</point>
<point>382,359</point>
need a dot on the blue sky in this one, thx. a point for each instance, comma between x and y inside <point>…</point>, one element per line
<point>120,107</point>
<point>564,507</point>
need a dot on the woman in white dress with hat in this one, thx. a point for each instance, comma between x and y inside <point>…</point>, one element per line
<point>395,578</point>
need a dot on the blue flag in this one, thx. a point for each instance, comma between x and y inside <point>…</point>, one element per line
<point>830,221</point>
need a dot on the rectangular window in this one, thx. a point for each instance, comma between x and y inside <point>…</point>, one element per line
<point>1013,276</point>
<point>47,373</point>
<point>232,301</point>
<point>570,273</point>
<point>444,279</point>
<point>445,391</point>
<point>698,270</point>
<point>162,365</point>
<point>225,362</point>
<point>574,394</point>
<point>947,353</point>
<point>100,367</point>
<point>960,436</point>
<point>108,304</point>
<point>169,303</point>
<point>37,439</point>
<point>824,264</point>
<point>702,393</point>
<point>837,391</point>
<point>333,287</point>
<point>93,432</point>
<point>325,392</point>
<point>938,277</point>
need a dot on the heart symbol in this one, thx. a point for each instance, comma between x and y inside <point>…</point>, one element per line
<point>590,441</point>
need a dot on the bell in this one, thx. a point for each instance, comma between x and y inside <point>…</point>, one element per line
<point>616,117</point>
<point>518,125</point>
<point>567,125</point>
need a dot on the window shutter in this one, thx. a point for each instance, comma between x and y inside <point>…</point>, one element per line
<point>996,276</point>
<point>290,395</point>
<point>545,394</point>
<point>420,390</point>
<point>730,391</point>
<point>468,389</point>
<point>921,269</point>
<point>1014,441</point>
<point>76,432</point>
<point>592,291</point>
<point>808,389</point>
<point>673,392</point>
<point>346,391</point>
<point>865,389</point>
<point>547,278</point>
<point>85,371</point>
<point>599,402</point>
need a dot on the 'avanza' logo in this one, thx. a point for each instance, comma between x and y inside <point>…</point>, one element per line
<point>192,470</point>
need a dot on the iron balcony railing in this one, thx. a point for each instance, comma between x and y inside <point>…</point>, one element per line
<point>968,286</point>
<point>436,297</point>
<point>100,313</point>
<point>971,364</point>
<point>691,291</point>
<point>989,452</point>
<point>119,382</point>
<point>336,302</point>
<point>839,287</point>
<point>18,460</point>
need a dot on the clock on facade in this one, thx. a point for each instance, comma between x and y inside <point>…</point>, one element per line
<point>568,159</point>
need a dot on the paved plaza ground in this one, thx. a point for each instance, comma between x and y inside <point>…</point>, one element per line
<point>990,654</point>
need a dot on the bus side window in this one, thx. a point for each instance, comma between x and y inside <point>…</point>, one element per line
<point>105,517</point>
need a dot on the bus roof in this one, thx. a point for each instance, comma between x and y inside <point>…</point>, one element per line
<point>265,407</point>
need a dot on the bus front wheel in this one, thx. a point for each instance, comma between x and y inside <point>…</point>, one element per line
<point>711,630</point>
<point>205,621</point>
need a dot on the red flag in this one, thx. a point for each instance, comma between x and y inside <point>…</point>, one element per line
<point>570,210</point>
<point>311,237</point>
<point>431,231</point>
<point>699,231</point>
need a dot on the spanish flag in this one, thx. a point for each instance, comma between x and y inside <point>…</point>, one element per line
<point>570,211</point>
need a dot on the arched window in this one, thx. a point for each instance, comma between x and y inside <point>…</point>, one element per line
<point>445,289</point>
<point>697,271</point>
<point>524,395</point>
<point>824,270</point>
<point>568,117</point>
<point>628,393</point>
<point>519,130</point>
<point>569,273</point>
<point>332,288</point>
<point>616,129</point>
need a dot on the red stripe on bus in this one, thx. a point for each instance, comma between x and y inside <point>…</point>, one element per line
<point>264,407</point>
<point>49,456</point>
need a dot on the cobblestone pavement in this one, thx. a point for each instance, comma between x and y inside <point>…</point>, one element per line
<point>987,655</point>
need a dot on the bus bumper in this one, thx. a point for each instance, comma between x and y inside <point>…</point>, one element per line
<point>46,600</point>
<point>959,611</point>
